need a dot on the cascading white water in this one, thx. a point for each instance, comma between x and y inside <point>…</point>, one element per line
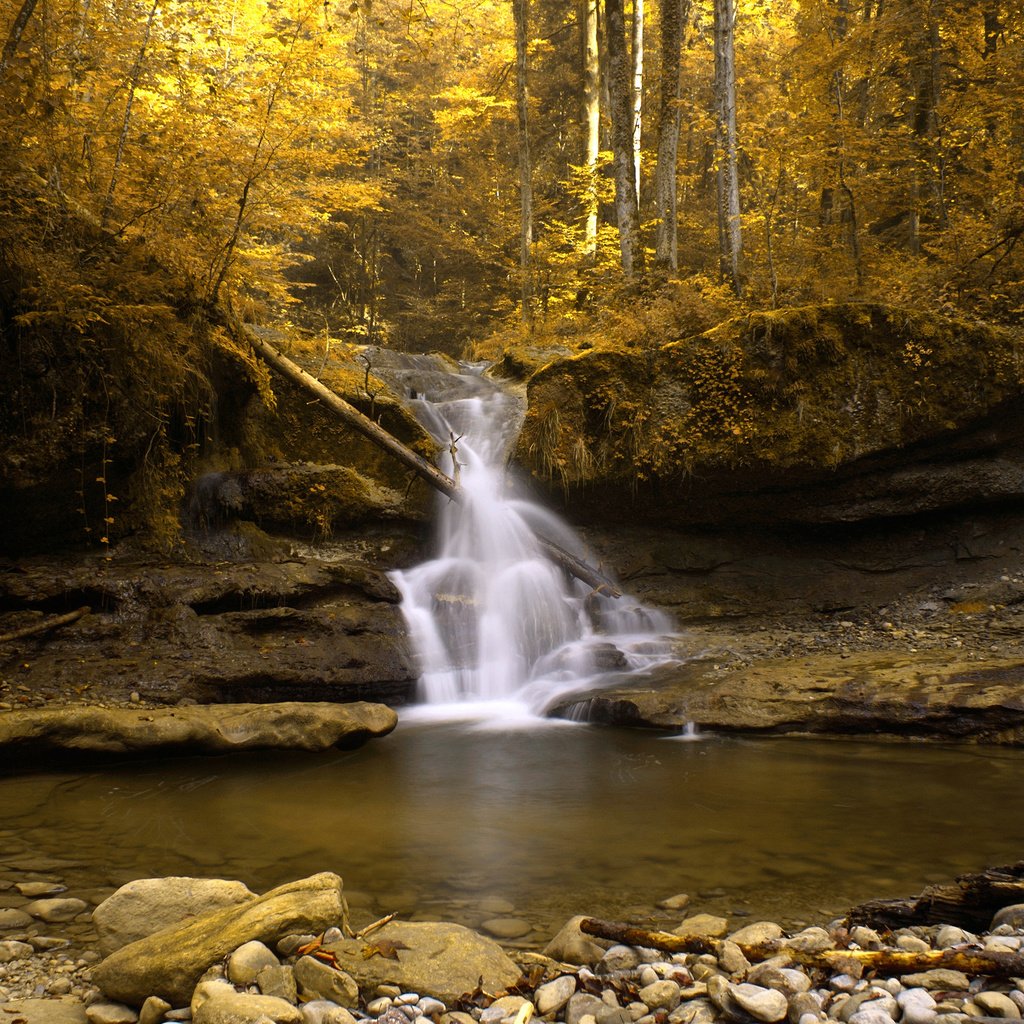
<point>492,619</point>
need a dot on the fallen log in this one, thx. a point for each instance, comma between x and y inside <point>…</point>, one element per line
<point>969,902</point>
<point>44,625</point>
<point>353,417</point>
<point>879,961</point>
<point>414,461</point>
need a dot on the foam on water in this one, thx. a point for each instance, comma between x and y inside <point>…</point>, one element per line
<point>492,619</point>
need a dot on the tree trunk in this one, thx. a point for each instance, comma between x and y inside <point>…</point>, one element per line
<point>16,32</point>
<point>969,902</point>
<point>133,83</point>
<point>627,212</point>
<point>520,11</point>
<point>638,90</point>
<point>592,118</point>
<point>44,625</point>
<point>727,179</point>
<point>673,13</point>
<point>388,442</point>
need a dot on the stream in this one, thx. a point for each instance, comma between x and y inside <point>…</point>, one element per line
<point>436,820</point>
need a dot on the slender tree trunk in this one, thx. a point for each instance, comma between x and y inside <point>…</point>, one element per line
<point>729,228</point>
<point>673,13</point>
<point>520,10</point>
<point>133,83</point>
<point>627,212</point>
<point>592,118</point>
<point>16,32</point>
<point>638,89</point>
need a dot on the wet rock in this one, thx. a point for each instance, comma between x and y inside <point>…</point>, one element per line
<point>11,949</point>
<point>662,995</point>
<point>997,1004</point>
<point>11,919</point>
<point>917,1006</point>
<point>196,729</point>
<point>731,958</point>
<point>33,890</point>
<point>581,1005</point>
<point>153,1010</point>
<point>246,962</point>
<point>757,933</point>
<point>677,902</point>
<point>763,1004</point>
<point>703,926</point>
<point>938,979</point>
<point>572,946</point>
<point>1012,915</point>
<point>110,1013</point>
<point>146,905</point>
<point>833,459</point>
<point>316,980</point>
<point>215,1003</point>
<point>170,962</point>
<point>278,981</point>
<point>323,1011</point>
<point>553,995</point>
<point>46,1011</point>
<point>507,927</point>
<point>810,940</point>
<point>440,960</point>
<point>618,958</point>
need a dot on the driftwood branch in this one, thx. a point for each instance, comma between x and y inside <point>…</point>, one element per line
<point>44,625</point>
<point>969,902</point>
<point>419,465</point>
<point>880,961</point>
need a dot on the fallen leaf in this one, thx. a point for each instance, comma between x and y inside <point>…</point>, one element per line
<point>387,948</point>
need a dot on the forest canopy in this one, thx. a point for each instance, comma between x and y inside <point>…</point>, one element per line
<point>425,174</point>
<point>362,161</point>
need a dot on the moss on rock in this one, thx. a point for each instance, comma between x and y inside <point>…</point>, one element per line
<point>796,392</point>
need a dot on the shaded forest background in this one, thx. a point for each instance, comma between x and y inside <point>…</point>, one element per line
<point>388,173</point>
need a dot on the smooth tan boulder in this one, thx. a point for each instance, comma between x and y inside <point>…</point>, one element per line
<point>202,728</point>
<point>435,959</point>
<point>145,905</point>
<point>170,962</point>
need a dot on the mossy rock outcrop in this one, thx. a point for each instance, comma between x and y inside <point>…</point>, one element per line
<point>833,413</point>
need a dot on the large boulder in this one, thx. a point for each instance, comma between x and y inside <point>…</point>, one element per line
<point>937,694</point>
<point>146,905</point>
<point>436,959</point>
<point>210,729</point>
<point>822,414</point>
<point>170,962</point>
<point>295,628</point>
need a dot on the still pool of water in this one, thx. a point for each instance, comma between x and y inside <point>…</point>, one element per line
<point>555,819</point>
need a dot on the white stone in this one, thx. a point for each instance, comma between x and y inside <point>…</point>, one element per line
<point>553,995</point>
<point>323,1011</point>
<point>763,1004</point>
<point>918,1006</point>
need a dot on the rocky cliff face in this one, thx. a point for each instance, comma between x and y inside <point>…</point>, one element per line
<point>826,414</point>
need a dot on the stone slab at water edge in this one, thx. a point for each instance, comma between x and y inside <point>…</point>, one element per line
<point>207,729</point>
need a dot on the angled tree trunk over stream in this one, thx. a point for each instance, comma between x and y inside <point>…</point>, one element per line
<point>419,465</point>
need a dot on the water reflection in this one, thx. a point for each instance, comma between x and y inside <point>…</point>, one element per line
<point>558,820</point>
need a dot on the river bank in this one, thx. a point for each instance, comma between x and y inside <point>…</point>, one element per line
<point>212,951</point>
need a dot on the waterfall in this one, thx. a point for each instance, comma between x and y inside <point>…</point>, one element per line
<point>491,618</point>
